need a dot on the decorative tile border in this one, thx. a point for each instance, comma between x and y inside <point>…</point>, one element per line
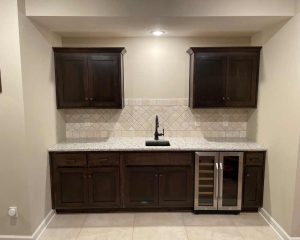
<point>137,120</point>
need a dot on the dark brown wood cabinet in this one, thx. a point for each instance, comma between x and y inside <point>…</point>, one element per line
<point>71,187</point>
<point>161,180</point>
<point>223,77</point>
<point>100,181</point>
<point>141,187</point>
<point>254,168</point>
<point>104,187</point>
<point>69,181</point>
<point>85,180</point>
<point>89,77</point>
<point>175,186</point>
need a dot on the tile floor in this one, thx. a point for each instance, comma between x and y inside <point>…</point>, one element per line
<point>158,226</point>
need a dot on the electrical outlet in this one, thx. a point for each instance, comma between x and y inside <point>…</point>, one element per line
<point>13,212</point>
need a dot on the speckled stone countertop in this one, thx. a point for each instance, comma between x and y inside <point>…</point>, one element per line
<point>138,144</point>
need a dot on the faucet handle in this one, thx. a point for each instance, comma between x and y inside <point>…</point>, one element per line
<point>163,133</point>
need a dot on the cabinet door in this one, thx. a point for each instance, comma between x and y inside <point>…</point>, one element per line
<point>71,80</point>
<point>253,180</point>
<point>104,187</point>
<point>70,188</point>
<point>230,181</point>
<point>253,187</point>
<point>104,84</point>
<point>141,187</point>
<point>209,80</point>
<point>242,79</point>
<point>176,187</point>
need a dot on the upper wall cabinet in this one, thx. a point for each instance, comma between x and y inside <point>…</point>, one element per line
<point>89,77</point>
<point>224,77</point>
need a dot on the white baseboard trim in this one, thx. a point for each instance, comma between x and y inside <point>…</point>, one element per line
<point>42,227</point>
<point>276,226</point>
<point>37,233</point>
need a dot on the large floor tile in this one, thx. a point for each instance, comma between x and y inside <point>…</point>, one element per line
<point>213,233</point>
<point>106,233</point>
<point>67,221</point>
<point>60,234</point>
<point>158,219</point>
<point>191,219</point>
<point>109,220</point>
<point>159,233</point>
<point>258,233</point>
<point>249,219</point>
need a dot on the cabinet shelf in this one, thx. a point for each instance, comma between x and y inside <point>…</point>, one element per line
<point>206,178</point>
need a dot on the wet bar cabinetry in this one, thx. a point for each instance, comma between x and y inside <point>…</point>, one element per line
<point>224,77</point>
<point>123,181</point>
<point>89,77</point>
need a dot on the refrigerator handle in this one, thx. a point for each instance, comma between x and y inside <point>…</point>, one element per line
<point>221,181</point>
<point>216,181</point>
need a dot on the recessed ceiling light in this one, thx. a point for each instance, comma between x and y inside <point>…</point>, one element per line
<point>157,33</point>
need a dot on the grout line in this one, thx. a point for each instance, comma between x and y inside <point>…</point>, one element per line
<point>82,226</point>
<point>134,216</point>
<point>185,230</point>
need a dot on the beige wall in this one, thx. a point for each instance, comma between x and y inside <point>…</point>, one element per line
<point>43,123</point>
<point>156,67</point>
<point>160,8</point>
<point>28,119</point>
<point>13,168</point>
<point>275,123</point>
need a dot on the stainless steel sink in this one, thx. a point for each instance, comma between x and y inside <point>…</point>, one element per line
<point>158,143</point>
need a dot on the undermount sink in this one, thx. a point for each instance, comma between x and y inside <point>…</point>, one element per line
<point>158,143</point>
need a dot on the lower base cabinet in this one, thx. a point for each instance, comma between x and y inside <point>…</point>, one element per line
<point>159,180</point>
<point>141,187</point>
<point>104,187</point>
<point>100,181</point>
<point>69,187</point>
<point>253,181</point>
<point>176,186</point>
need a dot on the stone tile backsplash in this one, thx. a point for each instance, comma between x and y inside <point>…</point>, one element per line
<point>137,120</point>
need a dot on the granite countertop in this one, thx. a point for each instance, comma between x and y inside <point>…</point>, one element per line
<point>138,144</point>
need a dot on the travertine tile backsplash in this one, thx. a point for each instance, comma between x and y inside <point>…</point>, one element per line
<point>137,120</point>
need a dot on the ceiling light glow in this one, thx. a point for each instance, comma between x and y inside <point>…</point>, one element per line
<point>157,33</point>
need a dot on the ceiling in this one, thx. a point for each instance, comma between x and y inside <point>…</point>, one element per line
<point>141,26</point>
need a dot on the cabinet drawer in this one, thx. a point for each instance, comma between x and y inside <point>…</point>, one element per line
<point>255,159</point>
<point>70,159</point>
<point>103,159</point>
<point>158,159</point>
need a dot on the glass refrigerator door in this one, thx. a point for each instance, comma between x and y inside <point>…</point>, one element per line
<point>230,181</point>
<point>206,181</point>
